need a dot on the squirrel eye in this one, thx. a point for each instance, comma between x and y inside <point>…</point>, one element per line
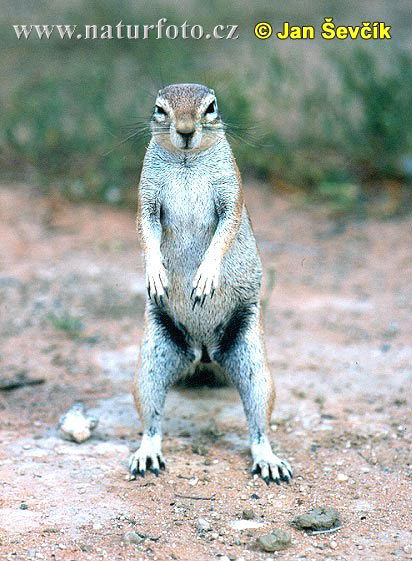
<point>211,108</point>
<point>159,110</point>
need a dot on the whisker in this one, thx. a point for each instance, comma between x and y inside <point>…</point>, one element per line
<point>135,134</point>
<point>249,142</point>
<point>136,126</point>
<point>142,128</point>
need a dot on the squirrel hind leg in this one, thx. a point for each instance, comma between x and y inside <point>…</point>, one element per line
<point>244,362</point>
<point>162,361</point>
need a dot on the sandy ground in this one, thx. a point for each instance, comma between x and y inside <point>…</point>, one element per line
<point>338,330</point>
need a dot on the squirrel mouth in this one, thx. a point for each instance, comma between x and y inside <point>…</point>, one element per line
<point>187,147</point>
<point>187,140</point>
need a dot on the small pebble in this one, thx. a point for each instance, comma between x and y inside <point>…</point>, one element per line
<point>132,537</point>
<point>248,514</point>
<point>203,525</point>
<point>342,477</point>
<point>275,541</point>
<point>321,518</point>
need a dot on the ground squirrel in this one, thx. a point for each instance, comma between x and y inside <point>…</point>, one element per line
<point>203,273</point>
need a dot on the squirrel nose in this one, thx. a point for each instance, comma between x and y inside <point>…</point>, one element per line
<point>186,135</point>
<point>185,127</point>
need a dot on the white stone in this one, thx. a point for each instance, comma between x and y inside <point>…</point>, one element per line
<point>203,525</point>
<point>75,425</point>
<point>244,524</point>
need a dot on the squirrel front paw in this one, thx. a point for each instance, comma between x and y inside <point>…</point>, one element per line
<point>156,282</point>
<point>206,281</point>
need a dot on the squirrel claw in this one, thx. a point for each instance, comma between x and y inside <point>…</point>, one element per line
<point>286,474</point>
<point>271,468</point>
<point>146,458</point>
<point>195,301</point>
<point>206,278</point>
<point>156,282</point>
<point>159,301</point>
<point>200,299</point>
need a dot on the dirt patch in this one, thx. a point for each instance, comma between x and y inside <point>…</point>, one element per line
<point>338,335</point>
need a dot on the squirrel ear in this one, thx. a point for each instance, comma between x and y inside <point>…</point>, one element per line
<point>212,92</point>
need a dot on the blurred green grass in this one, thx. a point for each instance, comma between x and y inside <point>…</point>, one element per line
<point>334,127</point>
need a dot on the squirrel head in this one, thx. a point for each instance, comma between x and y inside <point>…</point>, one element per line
<point>186,118</point>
